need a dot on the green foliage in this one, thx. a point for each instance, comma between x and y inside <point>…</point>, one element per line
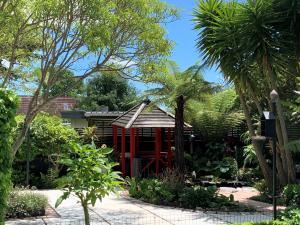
<point>266,223</point>
<point>168,86</point>
<point>293,146</point>
<point>249,175</point>
<point>226,168</point>
<point>253,44</point>
<point>262,187</point>
<point>197,196</point>
<point>62,80</point>
<point>150,190</point>
<point>290,216</point>
<point>248,150</point>
<point>8,108</point>
<point>291,194</point>
<point>49,180</point>
<point>25,203</point>
<point>161,192</point>
<point>80,37</point>
<point>48,139</point>
<point>108,89</point>
<point>217,116</point>
<point>90,175</point>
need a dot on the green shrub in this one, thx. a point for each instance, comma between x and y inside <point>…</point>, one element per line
<point>291,194</point>
<point>154,191</point>
<point>48,180</point>
<point>290,216</point>
<point>24,203</point>
<point>161,192</point>
<point>261,187</point>
<point>48,139</point>
<point>266,223</point>
<point>227,168</point>
<point>91,175</point>
<point>193,197</point>
<point>8,108</point>
<point>198,196</point>
<point>249,175</point>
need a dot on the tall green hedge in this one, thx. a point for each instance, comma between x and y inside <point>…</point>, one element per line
<point>8,109</point>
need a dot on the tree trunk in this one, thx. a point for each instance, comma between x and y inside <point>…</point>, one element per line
<point>86,213</point>
<point>179,134</point>
<point>257,146</point>
<point>291,174</point>
<point>22,135</point>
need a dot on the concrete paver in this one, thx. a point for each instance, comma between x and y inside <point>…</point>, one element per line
<point>115,210</point>
<point>243,195</point>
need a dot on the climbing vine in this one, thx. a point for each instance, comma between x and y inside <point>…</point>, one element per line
<point>8,109</point>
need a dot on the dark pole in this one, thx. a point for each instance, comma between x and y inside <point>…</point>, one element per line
<point>27,158</point>
<point>274,99</point>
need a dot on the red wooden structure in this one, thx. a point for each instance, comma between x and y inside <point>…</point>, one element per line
<point>135,121</point>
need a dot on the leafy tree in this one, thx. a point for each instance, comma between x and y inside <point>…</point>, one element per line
<point>107,89</point>
<point>90,175</point>
<point>175,89</point>
<point>61,82</point>
<point>219,114</point>
<point>48,140</point>
<point>8,108</point>
<point>253,44</point>
<point>83,37</point>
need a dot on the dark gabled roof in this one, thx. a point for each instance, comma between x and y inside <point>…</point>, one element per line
<point>103,114</point>
<point>146,115</point>
<point>73,114</point>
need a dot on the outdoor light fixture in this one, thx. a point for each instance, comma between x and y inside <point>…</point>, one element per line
<point>268,125</point>
<point>274,96</point>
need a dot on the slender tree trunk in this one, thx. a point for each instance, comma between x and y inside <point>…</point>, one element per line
<point>86,212</point>
<point>281,174</point>
<point>22,134</point>
<point>179,134</point>
<point>255,141</point>
<point>291,174</point>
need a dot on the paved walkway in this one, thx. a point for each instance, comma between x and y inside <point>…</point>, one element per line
<point>126,211</point>
<point>243,196</point>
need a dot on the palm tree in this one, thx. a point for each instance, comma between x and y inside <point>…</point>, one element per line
<point>174,89</point>
<point>251,45</point>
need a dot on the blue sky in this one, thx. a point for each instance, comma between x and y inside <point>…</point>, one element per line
<point>181,32</point>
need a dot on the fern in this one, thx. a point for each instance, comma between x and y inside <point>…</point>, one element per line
<point>49,178</point>
<point>293,146</point>
<point>218,116</point>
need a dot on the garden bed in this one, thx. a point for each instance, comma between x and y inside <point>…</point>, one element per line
<point>184,196</point>
<point>267,199</point>
<point>26,203</point>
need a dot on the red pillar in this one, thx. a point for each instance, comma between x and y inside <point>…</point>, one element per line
<point>169,149</point>
<point>123,160</point>
<point>115,133</point>
<point>157,148</point>
<point>132,151</point>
